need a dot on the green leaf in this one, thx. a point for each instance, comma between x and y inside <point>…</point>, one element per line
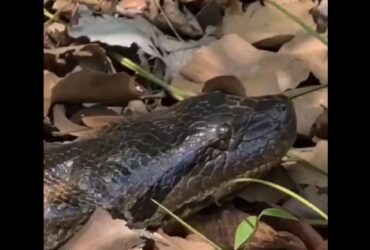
<point>276,212</point>
<point>245,231</point>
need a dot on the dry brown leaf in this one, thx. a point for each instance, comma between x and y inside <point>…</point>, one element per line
<point>63,60</point>
<point>50,80</point>
<point>132,7</point>
<point>100,121</point>
<point>103,233</point>
<point>190,87</point>
<point>177,243</point>
<point>220,226</point>
<point>93,87</point>
<point>260,71</point>
<point>58,35</point>
<point>320,126</point>
<point>308,107</point>
<point>226,84</point>
<point>68,6</point>
<point>263,22</point>
<point>182,20</point>
<point>311,238</point>
<point>312,52</point>
<point>61,121</point>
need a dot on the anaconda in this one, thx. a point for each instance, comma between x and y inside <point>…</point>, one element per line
<point>180,157</point>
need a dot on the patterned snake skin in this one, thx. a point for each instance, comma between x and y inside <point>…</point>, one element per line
<point>180,157</point>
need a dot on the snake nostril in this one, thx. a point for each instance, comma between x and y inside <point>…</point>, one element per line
<point>281,107</point>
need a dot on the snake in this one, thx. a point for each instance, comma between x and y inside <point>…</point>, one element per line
<point>182,157</point>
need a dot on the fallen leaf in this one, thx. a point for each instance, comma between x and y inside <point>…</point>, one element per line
<point>63,60</point>
<point>177,243</point>
<point>320,16</point>
<point>50,80</point>
<point>320,126</point>
<point>310,51</point>
<point>311,238</point>
<point>102,232</point>
<point>308,107</point>
<point>226,84</point>
<point>94,87</point>
<point>117,31</point>
<point>95,110</point>
<point>261,72</point>
<point>57,33</point>
<point>171,11</point>
<point>61,121</point>
<point>263,22</point>
<point>67,6</point>
<point>100,121</point>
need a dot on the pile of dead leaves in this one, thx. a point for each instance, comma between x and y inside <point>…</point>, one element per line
<point>195,45</point>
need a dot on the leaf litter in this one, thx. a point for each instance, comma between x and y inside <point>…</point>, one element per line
<point>254,52</point>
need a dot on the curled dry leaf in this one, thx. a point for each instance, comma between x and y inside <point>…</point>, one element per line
<point>89,56</point>
<point>261,72</point>
<point>265,22</point>
<point>220,226</point>
<point>58,35</point>
<point>64,125</point>
<point>100,121</point>
<point>320,16</point>
<point>171,11</point>
<point>226,84</point>
<point>101,232</point>
<point>320,126</point>
<point>93,87</point>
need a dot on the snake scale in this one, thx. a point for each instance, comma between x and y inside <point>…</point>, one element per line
<point>180,157</point>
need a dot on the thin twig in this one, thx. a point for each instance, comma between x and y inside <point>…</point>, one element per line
<point>298,21</point>
<point>308,91</point>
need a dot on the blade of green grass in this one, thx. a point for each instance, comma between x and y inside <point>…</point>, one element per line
<point>174,92</point>
<point>190,228</point>
<point>286,191</point>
